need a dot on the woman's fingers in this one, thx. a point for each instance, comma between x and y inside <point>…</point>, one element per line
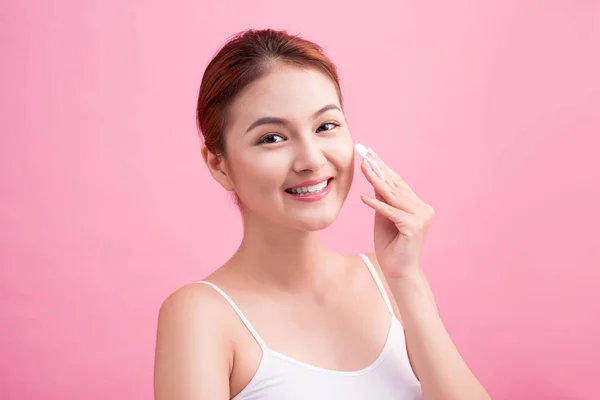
<point>394,179</point>
<point>397,216</point>
<point>395,197</point>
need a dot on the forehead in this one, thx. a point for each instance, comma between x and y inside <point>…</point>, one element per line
<point>285,92</point>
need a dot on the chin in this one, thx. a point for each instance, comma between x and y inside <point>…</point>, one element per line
<point>315,227</point>
<point>315,221</point>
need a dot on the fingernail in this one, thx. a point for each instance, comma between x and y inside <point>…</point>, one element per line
<point>364,195</point>
<point>372,152</point>
<point>366,164</point>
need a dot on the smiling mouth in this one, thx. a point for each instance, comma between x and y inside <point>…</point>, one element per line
<point>308,190</point>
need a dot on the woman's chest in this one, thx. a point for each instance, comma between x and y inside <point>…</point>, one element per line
<point>344,335</point>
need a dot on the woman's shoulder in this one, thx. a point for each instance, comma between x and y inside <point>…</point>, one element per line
<point>193,306</point>
<point>192,341</point>
<point>191,298</point>
<point>198,302</point>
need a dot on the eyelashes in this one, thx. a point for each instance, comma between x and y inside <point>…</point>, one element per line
<point>265,138</point>
<point>268,139</point>
<point>335,124</point>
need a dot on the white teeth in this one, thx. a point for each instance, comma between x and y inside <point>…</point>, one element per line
<point>309,189</point>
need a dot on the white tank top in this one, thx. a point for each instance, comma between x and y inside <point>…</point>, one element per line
<point>389,377</point>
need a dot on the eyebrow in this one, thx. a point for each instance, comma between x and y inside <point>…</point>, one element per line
<point>282,121</point>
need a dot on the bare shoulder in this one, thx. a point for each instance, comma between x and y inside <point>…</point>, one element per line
<point>193,301</point>
<point>194,311</point>
<point>194,355</point>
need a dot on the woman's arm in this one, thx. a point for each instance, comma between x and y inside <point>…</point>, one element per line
<point>193,357</point>
<point>427,365</point>
<point>401,223</point>
<point>442,371</point>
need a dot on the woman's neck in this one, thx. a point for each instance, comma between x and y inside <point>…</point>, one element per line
<point>287,258</point>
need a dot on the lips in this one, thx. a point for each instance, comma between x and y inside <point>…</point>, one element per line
<point>310,187</point>
<point>311,193</point>
<point>311,182</point>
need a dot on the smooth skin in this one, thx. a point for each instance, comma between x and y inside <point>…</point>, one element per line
<point>401,223</point>
<point>307,302</point>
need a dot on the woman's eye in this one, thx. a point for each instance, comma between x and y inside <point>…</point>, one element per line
<point>270,139</point>
<point>332,125</point>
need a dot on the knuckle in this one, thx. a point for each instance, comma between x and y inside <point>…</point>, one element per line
<point>428,211</point>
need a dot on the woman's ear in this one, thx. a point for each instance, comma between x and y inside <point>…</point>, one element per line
<point>217,168</point>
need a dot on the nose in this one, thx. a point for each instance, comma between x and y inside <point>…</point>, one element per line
<point>309,156</point>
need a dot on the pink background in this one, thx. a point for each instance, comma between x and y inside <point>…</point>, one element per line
<point>490,110</point>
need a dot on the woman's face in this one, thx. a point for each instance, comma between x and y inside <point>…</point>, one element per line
<point>286,134</point>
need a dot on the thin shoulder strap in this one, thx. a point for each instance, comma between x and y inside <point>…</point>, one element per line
<point>378,282</point>
<point>239,313</point>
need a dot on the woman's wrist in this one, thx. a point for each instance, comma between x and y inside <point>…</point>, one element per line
<point>411,289</point>
<point>413,276</point>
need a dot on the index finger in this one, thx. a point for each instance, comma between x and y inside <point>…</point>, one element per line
<point>396,180</point>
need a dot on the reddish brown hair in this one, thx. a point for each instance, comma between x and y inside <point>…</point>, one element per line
<point>244,58</point>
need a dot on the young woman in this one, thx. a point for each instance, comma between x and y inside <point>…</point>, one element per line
<point>286,318</point>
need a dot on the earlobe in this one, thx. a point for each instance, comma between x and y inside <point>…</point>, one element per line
<point>216,166</point>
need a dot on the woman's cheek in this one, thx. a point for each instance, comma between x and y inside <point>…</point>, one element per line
<point>262,171</point>
<point>342,151</point>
